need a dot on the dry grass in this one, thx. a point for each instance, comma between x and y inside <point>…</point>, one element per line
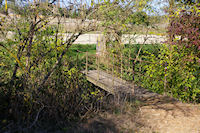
<point>154,114</point>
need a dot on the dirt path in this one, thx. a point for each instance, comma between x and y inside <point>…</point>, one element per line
<point>165,116</point>
<point>152,113</point>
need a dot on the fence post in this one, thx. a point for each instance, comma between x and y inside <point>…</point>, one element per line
<point>113,70</point>
<point>86,63</point>
<point>129,60</point>
<point>165,80</point>
<point>121,65</point>
<point>98,65</point>
<point>133,87</point>
<point>107,63</point>
<point>77,60</point>
<point>133,70</point>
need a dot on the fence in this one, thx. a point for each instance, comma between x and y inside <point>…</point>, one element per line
<point>117,65</point>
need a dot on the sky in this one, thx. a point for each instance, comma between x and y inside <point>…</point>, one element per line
<point>156,5</point>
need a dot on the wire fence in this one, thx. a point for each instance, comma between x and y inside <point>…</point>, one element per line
<point>119,66</point>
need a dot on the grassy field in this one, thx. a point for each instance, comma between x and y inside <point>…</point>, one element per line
<point>74,50</point>
<point>78,58</point>
<point>91,49</point>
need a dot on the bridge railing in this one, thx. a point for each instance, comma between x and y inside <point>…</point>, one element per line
<point>116,65</point>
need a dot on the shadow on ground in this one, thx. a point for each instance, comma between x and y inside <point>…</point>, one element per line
<point>96,125</point>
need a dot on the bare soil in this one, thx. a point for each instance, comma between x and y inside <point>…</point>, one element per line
<point>151,113</point>
<point>165,115</point>
<point>148,113</point>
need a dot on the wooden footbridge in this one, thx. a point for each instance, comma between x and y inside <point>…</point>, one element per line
<point>111,72</point>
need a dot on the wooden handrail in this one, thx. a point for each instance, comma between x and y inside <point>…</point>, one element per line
<point>116,65</point>
<point>115,55</point>
<point>113,71</point>
<point>86,62</point>
<point>98,63</point>
<point>121,65</point>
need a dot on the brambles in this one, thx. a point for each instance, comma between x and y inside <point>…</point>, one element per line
<point>176,69</point>
<point>174,76</point>
<point>39,81</point>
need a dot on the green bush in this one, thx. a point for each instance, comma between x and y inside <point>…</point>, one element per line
<point>66,96</point>
<point>182,76</point>
<point>134,48</point>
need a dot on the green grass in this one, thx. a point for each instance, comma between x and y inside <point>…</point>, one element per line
<point>72,52</point>
<point>133,49</point>
<point>91,49</point>
<point>78,58</point>
<point>129,49</point>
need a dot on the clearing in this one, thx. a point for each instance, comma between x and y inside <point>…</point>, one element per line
<point>149,113</point>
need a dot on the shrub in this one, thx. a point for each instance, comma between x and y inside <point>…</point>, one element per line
<point>66,96</point>
<point>176,69</point>
<point>175,76</point>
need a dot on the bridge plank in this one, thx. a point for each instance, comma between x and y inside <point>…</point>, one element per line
<point>105,82</point>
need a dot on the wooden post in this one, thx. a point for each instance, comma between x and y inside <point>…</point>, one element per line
<point>133,70</point>
<point>98,66</point>
<point>165,80</point>
<point>129,60</point>
<point>121,65</point>
<point>77,60</point>
<point>133,87</point>
<point>96,59</point>
<point>107,63</point>
<point>86,63</point>
<point>113,70</point>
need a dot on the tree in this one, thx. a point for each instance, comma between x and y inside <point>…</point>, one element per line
<point>33,47</point>
<point>185,24</point>
<point>140,18</point>
<point>175,70</point>
<point>33,25</point>
<point>41,27</point>
<point>35,39</point>
<point>118,18</point>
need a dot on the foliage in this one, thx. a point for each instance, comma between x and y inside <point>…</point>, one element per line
<point>118,17</point>
<point>187,2</point>
<point>76,49</point>
<point>164,74</point>
<point>67,96</point>
<point>139,18</point>
<point>175,70</point>
<point>134,48</point>
<point>38,81</point>
<point>185,28</point>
